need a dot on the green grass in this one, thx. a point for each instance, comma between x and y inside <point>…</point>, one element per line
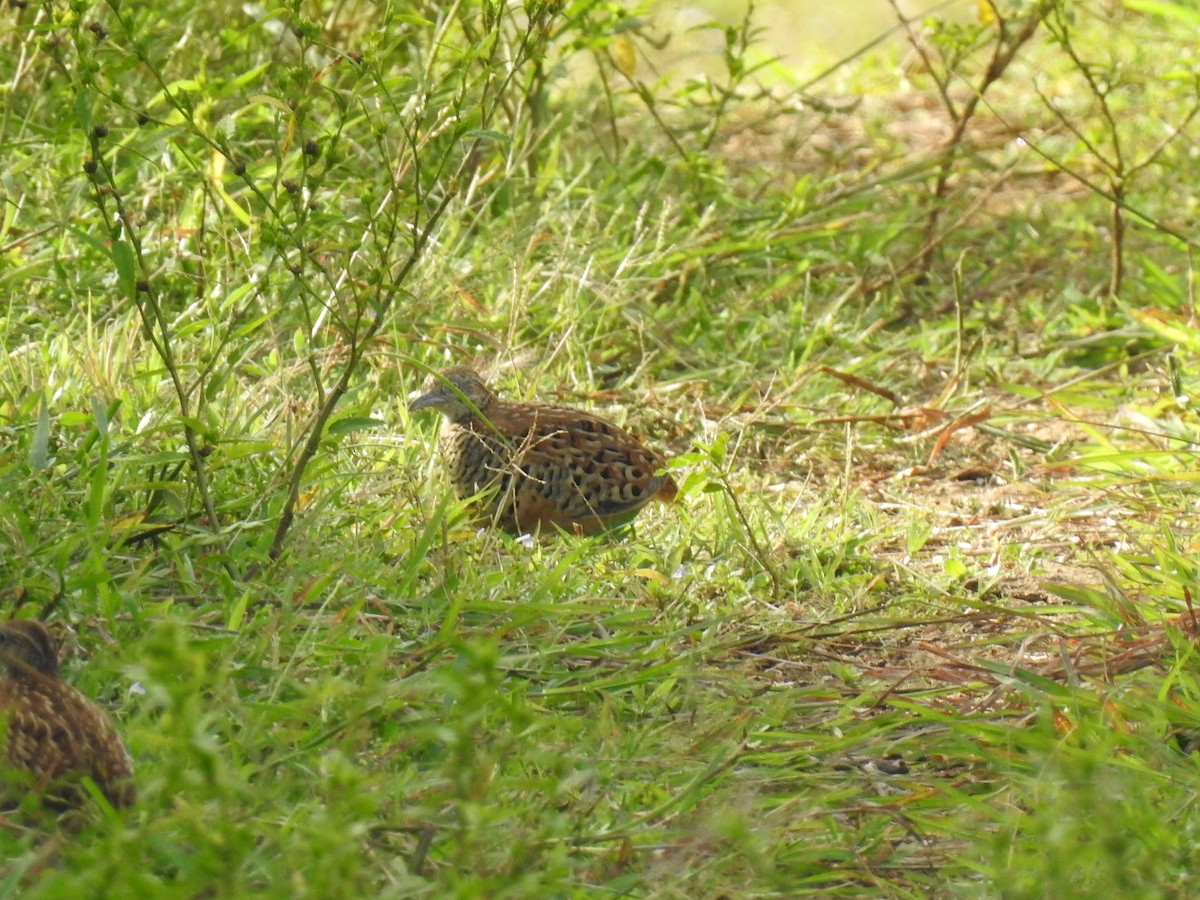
<point>919,623</point>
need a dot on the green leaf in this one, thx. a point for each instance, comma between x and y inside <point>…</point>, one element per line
<point>100,417</point>
<point>1176,332</point>
<point>253,325</point>
<point>39,453</point>
<point>240,449</point>
<point>716,452</point>
<point>1177,11</point>
<point>200,324</point>
<point>83,108</point>
<point>193,423</point>
<point>237,613</point>
<point>270,100</point>
<point>244,79</point>
<point>354,423</point>
<point>94,508</point>
<point>126,264</point>
<point>232,205</point>
<point>175,89</point>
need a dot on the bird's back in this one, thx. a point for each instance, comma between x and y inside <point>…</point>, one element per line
<point>553,465</point>
<point>55,734</point>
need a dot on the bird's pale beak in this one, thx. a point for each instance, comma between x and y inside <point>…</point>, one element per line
<point>424,401</point>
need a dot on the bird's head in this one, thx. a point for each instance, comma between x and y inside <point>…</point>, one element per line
<point>453,393</point>
<point>26,645</point>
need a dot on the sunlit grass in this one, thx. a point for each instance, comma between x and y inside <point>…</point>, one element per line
<point>920,622</point>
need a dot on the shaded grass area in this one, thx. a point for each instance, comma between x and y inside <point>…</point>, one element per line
<point>919,624</point>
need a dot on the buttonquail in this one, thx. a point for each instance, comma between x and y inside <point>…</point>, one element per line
<point>51,734</point>
<point>535,465</point>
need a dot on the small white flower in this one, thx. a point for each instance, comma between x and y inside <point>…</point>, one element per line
<point>678,573</point>
<point>136,688</point>
<point>526,541</point>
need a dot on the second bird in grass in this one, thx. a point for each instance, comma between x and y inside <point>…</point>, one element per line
<point>537,465</point>
<point>52,734</point>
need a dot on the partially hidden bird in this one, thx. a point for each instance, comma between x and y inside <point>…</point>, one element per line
<point>52,735</point>
<point>533,465</point>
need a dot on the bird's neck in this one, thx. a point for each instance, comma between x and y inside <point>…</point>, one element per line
<point>27,671</point>
<point>467,418</point>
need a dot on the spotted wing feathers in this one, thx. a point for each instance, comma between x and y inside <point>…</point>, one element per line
<point>552,465</point>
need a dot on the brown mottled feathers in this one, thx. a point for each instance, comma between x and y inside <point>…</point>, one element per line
<point>540,465</point>
<point>51,734</point>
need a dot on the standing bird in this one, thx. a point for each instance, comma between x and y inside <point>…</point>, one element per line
<point>539,465</point>
<point>50,733</point>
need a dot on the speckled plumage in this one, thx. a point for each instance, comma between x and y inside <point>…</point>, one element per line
<point>51,734</point>
<point>539,465</point>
